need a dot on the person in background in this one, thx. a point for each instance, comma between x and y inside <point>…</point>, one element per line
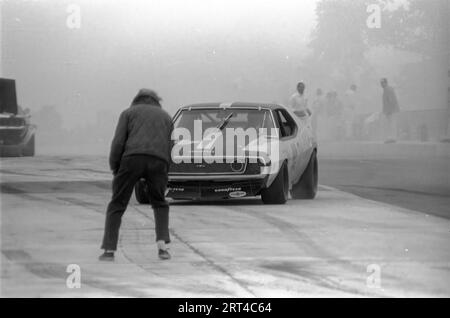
<point>298,101</point>
<point>318,107</point>
<point>349,111</point>
<point>334,111</point>
<point>141,149</point>
<point>390,112</point>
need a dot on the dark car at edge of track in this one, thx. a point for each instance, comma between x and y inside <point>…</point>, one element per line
<point>17,134</point>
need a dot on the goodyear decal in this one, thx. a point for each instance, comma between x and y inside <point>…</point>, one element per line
<point>237,194</point>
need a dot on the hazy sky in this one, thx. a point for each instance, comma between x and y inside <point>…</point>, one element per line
<point>188,50</point>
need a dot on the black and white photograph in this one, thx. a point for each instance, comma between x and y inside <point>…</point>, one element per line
<point>224,149</point>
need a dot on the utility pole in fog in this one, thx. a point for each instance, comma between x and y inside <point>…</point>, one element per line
<point>1,38</point>
<point>447,135</point>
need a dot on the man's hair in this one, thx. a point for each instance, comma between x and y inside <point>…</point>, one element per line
<point>144,99</point>
<point>301,87</point>
<point>384,80</point>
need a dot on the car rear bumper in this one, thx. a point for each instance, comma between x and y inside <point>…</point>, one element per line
<point>16,136</point>
<point>11,150</point>
<point>14,139</point>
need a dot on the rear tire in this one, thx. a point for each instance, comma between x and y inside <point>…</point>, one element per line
<point>141,192</point>
<point>278,192</point>
<point>306,187</point>
<point>28,151</point>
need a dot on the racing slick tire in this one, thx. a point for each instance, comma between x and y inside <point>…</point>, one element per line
<point>306,187</point>
<point>278,192</point>
<point>141,192</point>
<point>28,150</point>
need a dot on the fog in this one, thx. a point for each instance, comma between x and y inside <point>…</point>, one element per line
<point>76,79</point>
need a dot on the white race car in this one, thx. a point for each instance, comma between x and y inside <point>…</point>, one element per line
<point>208,163</point>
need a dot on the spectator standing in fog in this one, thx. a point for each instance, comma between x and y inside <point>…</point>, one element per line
<point>140,150</point>
<point>318,107</point>
<point>349,111</point>
<point>390,112</point>
<point>298,101</point>
<point>334,110</point>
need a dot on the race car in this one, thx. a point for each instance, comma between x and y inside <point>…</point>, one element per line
<point>16,131</point>
<point>276,155</point>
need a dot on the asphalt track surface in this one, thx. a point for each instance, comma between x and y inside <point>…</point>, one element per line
<point>340,244</point>
<point>418,184</point>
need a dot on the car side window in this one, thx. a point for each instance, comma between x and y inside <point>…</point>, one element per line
<point>285,122</point>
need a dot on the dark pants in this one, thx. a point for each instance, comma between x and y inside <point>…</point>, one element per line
<point>132,169</point>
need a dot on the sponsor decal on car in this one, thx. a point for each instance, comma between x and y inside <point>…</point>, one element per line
<point>237,194</point>
<point>176,189</point>
<point>229,189</point>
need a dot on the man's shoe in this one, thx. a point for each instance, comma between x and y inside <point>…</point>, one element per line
<point>163,254</point>
<point>107,257</point>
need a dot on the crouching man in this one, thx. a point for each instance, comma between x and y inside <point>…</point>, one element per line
<point>140,149</point>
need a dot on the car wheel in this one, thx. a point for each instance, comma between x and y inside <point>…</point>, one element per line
<point>141,192</point>
<point>306,187</point>
<point>28,151</point>
<point>278,192</point>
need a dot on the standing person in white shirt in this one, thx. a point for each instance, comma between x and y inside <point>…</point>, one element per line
<point>298,102</point>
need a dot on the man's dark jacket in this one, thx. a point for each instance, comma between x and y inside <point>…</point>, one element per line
<point>143,129</point>
<point>390,103</point>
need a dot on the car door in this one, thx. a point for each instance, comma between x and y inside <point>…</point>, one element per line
<point>289,145</point>
<point>305,143</point>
